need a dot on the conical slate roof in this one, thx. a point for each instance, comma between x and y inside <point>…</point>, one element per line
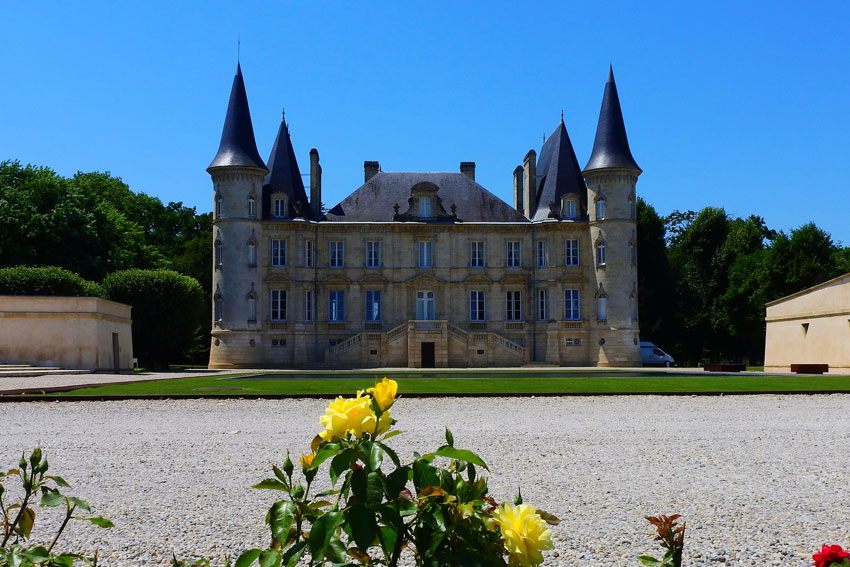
<point>238,146</point>
<point>284,175</point>
<point>558,173</point>
<point>611,146</point>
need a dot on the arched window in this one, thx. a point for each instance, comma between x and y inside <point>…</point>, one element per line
<point>600,208</point>
<point>602,307</point>
<point>252,207</point>
<point>632,253</point>
<point>218,307</point>
<point>251,304</point>
<point>632,206</point>
<point>252,253</point>
<point>219,253</point>
<point>218,206</point>
<point>600,253</point>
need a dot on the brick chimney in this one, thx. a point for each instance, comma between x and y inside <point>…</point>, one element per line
<point>518,188</point>
<point>370,170</point>
<point>315,183</point>
<point>529,190</point>
<point>468,169</point>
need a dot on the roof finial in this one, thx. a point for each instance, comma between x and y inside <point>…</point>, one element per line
<point>562,115</point>
<point>544,137</point>
<point>283,113</point>
<point>238,47</point>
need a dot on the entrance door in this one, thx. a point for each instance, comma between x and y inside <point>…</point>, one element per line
<point>425,306</point>
<point>427,355</point>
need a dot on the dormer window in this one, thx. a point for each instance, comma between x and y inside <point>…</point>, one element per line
<point>280,206</point>
<point>424,206</point>
<point>569,209</point>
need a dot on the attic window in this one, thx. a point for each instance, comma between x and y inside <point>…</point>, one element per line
<point>279,206</point>
<point>569,209</point>
<point>424,206</point>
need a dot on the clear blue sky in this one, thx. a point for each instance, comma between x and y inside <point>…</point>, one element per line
<point>736,104</point>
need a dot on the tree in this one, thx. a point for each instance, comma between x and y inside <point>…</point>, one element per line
<point>656,289</point>
<point>168,312</point>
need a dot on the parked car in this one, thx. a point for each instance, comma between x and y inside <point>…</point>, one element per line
<point>651,355</point>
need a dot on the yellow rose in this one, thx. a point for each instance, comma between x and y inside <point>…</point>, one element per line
<point>384,393</point>
<point>352,415</point>
<point>525,534</point>
<point>307,460</point>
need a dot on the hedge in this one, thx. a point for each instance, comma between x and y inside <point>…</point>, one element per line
<point>50,280</point>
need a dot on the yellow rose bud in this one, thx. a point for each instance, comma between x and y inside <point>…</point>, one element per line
<point>307,460</point>
<point>384,393</point>
<point>352,415</point>
<point>525,534</point>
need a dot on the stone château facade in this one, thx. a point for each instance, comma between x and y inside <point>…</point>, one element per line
<point>425,269</point>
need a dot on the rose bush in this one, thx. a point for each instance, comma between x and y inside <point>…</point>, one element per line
<point>438,512</point>
<point>831,555</point>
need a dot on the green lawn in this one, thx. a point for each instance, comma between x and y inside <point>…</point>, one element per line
<point>470,382</point>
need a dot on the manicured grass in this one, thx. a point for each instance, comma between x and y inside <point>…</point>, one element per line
<point>525,382</point>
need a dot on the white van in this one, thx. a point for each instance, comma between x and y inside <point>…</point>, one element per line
<point>651,355</point>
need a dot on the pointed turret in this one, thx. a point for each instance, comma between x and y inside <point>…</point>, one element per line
<point>611,146</point>
<point>558,173</point>
<point>238,146</point>
<point>284,175</point>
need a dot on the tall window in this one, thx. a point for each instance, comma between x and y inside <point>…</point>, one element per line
<point>337,258</point>
<point>513,306</point>
<point>219,253</point>
<point>309,305</point>
<point>571,253</point>
<point>600,253</point>
<point>600,208</point>
<point>512,259</point>
<point>425,307</point>
<point>541,304</point>
<point>373,254</point>
<point>476,306</point>
<point>252,207</point>
<point>373,306</point>
<point>309,253</point>
<point>425,257</point>
<point>336,306</point>
<point>218,307</point>
<point>571,305</point>
<point>569,209</point>
<point>476,254</point>
<point>252,307</point>
<point>252,253</point>
<point>218,207</point>
<point>278,305</point>
<point>540,252</point>
<point>279,208</point>
<point>602,307</point>
<point>424,206</point>
<point>278,252</point>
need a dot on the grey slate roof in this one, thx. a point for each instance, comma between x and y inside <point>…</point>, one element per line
<point>374,200</point>
<point>611,146</point>
<point>238,146</point>
<point>284,175</point>
<point>558,173</point>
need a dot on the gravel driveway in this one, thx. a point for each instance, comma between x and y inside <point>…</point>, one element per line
<point>761,480</point>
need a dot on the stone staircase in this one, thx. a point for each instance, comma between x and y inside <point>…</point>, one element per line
<point>22,370</point>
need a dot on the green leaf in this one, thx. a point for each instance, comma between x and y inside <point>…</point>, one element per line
<point>279,474</point>
<point>518,499</point>
<point>52,498</point>
<point>36,554</point>
<point>392,434</point>
<point>281,516</point>
<point>471,472</point>
<point>392,454</point>
<point>324,453</point>
<point>549,518</point>
<point>389,536</point>
<point>336,551</point>
<point>647,560</point>
<point>100,521</point>
<point>450,438</point>
<point>270,558</point>
<point>461,455</point>
<point>363,525</point>
<point>287,465</point>
<point>26,522</point>
<point>376,456</point>
<point>358,484</point>
<point>340,464</point>
<point>58,480</point>
<point>424,475</point>
<point>80,502</point>
<point>320,535</point>
<point>396,481</point>
<point>272,484</point>
<point>247,558</point>
<point>374,489</point>
<point>293,554</point>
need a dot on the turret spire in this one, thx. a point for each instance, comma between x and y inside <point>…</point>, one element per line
<point>611,146</point>
<point>284,175</point>
<point>238,146</point>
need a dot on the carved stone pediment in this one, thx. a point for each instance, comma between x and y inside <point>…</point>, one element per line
<point>425,190</point>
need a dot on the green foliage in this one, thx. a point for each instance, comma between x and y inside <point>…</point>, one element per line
<point>53,281</point>
<point>18,519</point>
<point>656,290</point>
<point>168,312</point>
<point>670,537</point>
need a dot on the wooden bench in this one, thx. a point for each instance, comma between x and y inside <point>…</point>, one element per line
<point>809,368</point>
<point>724,368</point>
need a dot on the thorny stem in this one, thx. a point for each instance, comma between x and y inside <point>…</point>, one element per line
<point>27,494</point>
<point>64,523</point>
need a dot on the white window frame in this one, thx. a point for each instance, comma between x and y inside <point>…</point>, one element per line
<point>600,208</point>
<point>601,252</point>
<point>542,297</point>
<point>602,307</point>
<point>572,304</point>
<point>309,306</point>
<point>477,306</point>
<point>251,304</point>
<point>252,208</point>
<point>277,305</point>
<point>219,254</point>
<point>309,253</point>
<point>278,252</point>
<point>477,254</point>
<point>252,253</point>
<point>336,306</point>
<point>569,209</point>
<point>218,207</point>
<point>279,207</point>
<point>540,253</point>
<point>513,305</point>
<point>424,207</point>
<point>373,297</point>
<point>336,250</point>
<point>426,254</point>
<point>373,253</point>
<point>571,252</point>
<point>218,308</point>
<point>513,254</point>
<point>428,300</point>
